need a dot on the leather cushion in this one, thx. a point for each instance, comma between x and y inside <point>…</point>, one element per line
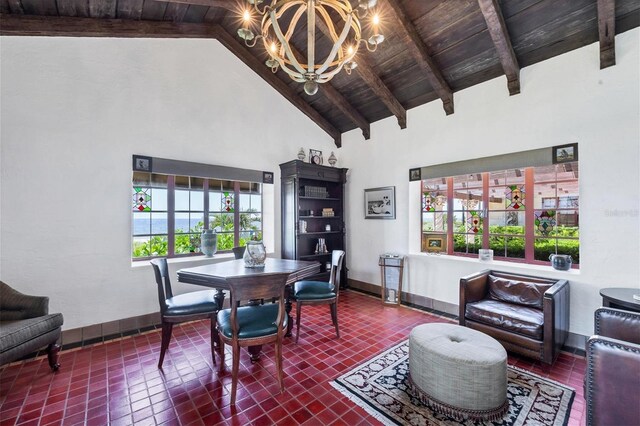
<point>253,321</point>
<point>507,316</point>
<point>197,302</point>
<point>16,333</point>
<point>515,291</point>
<point>313,290</point>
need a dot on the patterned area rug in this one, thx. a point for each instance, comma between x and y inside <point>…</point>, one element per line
<point>380,387</point>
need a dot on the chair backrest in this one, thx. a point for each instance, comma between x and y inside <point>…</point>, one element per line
<point>270,286</point>
<point>161,270</point>
<point>337,256</point>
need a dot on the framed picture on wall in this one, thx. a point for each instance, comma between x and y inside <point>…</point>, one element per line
<point>415,174</point>
<point>267,177</point>
<point>380,203</point>
<point>141,163</point>
<point>565,153</point>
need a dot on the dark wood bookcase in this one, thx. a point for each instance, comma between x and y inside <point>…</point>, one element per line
<point>309,194</point>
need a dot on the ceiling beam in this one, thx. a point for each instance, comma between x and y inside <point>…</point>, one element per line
<point>232,5</point>
<point>607,32</point>
<point>58,26</point>
<point>242,52</point>
<point>418,50</point>
<point>374,82</point>
<point>501,40</point>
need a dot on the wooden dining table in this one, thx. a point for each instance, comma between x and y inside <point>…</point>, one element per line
<point>215,276</point>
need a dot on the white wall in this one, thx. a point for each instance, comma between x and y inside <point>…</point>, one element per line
<point>565,99</point>
<point>73,113</point>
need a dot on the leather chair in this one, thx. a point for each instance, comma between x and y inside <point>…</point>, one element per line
<point>254,324</point>
<point>320,292</point>
<point>181,308</point>
<point>26,326</point>
<point>528,315</point>
<point>612,379</point>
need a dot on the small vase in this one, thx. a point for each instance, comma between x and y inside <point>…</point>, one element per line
<point>301,154</point>
<point>254,255</point>
<point>561,262</point>
<point>332,159</point>
<point>209,242</point>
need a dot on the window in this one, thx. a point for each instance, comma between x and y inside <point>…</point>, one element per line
<point>170,212</point>
<point>522,214</point>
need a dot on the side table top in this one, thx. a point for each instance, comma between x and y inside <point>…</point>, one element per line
<point>621,295</point>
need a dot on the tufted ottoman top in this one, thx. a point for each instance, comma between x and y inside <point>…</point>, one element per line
<point>458,370</point>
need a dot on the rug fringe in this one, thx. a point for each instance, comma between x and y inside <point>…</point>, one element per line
<point>369,409</point>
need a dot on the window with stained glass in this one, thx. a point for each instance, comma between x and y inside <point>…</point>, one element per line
<point>523,214</point>
<point>170,212</point>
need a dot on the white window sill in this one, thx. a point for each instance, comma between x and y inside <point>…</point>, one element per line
<point>500,264</point>
<point>196,260</point>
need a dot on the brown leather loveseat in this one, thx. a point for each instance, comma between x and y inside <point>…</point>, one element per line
<point>527,315</point>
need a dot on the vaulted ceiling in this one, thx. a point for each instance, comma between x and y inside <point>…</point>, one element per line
<point>432,48</point>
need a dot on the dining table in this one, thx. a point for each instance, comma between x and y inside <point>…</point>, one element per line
<point>215,275</point>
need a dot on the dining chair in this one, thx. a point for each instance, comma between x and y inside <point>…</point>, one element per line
<point>320,292</point>
<point>181,308</point>
<point>254,324</point>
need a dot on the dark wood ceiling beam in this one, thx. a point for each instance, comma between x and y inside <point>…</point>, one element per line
<point>374,82</point>
<point>501,40</point>
<point>58,26</point>
<point>607,32</point>
<point>232,5</point>
<point>242,52</point>
<point>418,50</point>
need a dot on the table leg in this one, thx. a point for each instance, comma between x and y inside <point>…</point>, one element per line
<point>287,307</point>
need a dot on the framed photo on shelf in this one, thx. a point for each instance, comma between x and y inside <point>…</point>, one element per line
<point>434,243</point>
<point>380,203</point>
<point>315,157</point>
<point>565,153</point>
<point>415,174</point>
<point>141,163</point>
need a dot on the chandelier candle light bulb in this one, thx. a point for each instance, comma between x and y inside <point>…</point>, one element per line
<point>345,34</point>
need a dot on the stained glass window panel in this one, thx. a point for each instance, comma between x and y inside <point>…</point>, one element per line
<point>545,222</point>
<point>514,197</point>
<point>474,222</point>
<point>141,199</point>
<point>228,204</point>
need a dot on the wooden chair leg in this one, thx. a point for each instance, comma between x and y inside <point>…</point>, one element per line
<point>298,312</point>
<point>214,338</point>
<point>167,327</point>
<point>221,353</point>
<point>279,364</point>
<point>334,317</point>
<point>234,371</point>
<point>52,356</point>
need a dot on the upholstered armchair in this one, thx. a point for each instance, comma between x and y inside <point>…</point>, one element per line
<point>528,315</point>
<point>612,379</point>
<point>26,326</point>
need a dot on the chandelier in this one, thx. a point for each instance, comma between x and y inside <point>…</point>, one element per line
<point>280,19</point>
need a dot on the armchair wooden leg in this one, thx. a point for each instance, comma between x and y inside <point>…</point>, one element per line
<point>52,356</point>
<point>334,317</point>
<point>167,327</point>
<point>234,372</point>
<point>214,338</point>
<point>298,312</point>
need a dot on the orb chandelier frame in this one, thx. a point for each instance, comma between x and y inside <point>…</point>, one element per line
<point>346,38</point>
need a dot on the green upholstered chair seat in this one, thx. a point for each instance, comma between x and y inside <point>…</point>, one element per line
<point>197,302</point>
<point>253,321</point>
<point>313,290</point>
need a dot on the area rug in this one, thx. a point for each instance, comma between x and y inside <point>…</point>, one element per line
<point>380,387</point>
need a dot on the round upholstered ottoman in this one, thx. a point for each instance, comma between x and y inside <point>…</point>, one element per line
<point>458,371</point>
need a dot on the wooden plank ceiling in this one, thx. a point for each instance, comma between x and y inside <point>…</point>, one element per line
<point>432,48</point>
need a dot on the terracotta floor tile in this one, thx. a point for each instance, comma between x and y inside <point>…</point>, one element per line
<point>118,382</point>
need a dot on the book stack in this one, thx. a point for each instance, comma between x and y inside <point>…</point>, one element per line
<point>315,191</point>
<point>328,212</point>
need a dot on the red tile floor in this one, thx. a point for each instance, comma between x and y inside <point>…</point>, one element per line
<point>118,382</point>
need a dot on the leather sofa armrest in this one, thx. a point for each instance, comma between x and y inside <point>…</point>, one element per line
<point>556,310</point>
<point>472,289</point>
<point>617,324</point>
<point>611,381</point>
<point>15,305</point>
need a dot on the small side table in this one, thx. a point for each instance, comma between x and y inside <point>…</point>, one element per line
<point>620,298</point>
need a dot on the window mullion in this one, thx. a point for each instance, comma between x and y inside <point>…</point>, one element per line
<point>171,215</point>
<point>485,210</point>
<point>236,214</point>
<point>450,215</point>
<point>205,188</point>
<point>529,215</point>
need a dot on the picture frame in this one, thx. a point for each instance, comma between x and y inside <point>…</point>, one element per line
<point>380,203</point>
<point>415,174</point>
<point>434,244</point>
<point>564,153</point>
<point>315,157</point>
<point>142,163</point>
<point>267,177</point>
